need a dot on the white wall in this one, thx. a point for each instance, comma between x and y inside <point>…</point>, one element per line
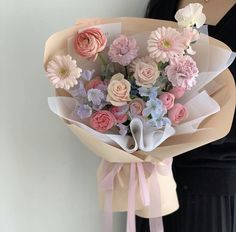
<point>47,177</point>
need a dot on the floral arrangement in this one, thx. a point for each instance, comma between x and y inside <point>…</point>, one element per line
<point>124,94</point>
<point>130,86</point>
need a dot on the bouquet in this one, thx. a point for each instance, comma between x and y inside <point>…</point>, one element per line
<point>138,92</point>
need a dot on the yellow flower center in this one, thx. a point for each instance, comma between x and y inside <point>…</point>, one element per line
<point>166,44</point>
<point>63,73</point>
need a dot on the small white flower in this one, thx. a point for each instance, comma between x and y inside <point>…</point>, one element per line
<point>190,15</point>
<point>190,35</point>
<point>63,72</point>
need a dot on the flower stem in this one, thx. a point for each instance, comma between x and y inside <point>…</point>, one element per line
<point>102,59</point>
<point>126,72</point>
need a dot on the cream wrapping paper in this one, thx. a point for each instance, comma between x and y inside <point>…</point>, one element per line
<point>167,186</point>
<point>222,89</point>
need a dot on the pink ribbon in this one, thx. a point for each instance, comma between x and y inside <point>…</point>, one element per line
<point>107,185</point>
<point>164,169</point>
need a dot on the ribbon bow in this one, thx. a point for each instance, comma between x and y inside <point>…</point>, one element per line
<point>107,185</point>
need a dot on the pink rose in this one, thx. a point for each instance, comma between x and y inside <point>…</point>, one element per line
<point>102,120</point>
<point>177,91</point>
<point>136,106</point>
<point>93,83</point>
<point>118,90</point>
<point>177,113</point>
<point>90,42</point>
<point>119,113</point>
<point>168,100</point>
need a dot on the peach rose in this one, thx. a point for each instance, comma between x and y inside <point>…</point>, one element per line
<point>177,113</point>
<point>136,106</point>
<point>178,91</point>
<point>118,90</point>
<point>93,83</point>
<point>102,120</point>
<point>89,42</point>
<point>168,100</point>
<point>146,72</point>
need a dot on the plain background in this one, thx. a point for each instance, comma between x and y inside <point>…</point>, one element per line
<point>47,177</point>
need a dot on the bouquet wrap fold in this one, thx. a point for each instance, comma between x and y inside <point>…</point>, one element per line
<point>118,164</point>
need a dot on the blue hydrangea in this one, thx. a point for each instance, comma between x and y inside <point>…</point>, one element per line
<point>122,129</point>
<point>87,74</point>
<point>100,106</point>
<point>155,108</point>
<point>148,92</point>
<point>159,123</point>
<point>95,96</point>
<point>84,111</point>
<point>78,90</point>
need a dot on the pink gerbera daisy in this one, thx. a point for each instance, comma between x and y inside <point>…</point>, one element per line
<point>63,72</point>
<point>165,43</point>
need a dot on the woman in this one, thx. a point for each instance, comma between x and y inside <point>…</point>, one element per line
<point>206,176</point>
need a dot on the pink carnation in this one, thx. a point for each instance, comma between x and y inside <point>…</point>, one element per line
<point>123,50</point>
<point>182,72</point>
<point>102,120</point>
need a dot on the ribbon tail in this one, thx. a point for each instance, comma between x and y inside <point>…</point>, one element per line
<point>156,224</point>
<point>106,185</point>
<point>163,168</point>
<point>107,214</point>
<point>144,191</point>
<point>131,227</point>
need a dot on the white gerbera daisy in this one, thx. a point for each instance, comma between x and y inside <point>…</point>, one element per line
<point>63,72</point>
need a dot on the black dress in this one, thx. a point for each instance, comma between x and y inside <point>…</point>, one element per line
<point>206,176</point>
